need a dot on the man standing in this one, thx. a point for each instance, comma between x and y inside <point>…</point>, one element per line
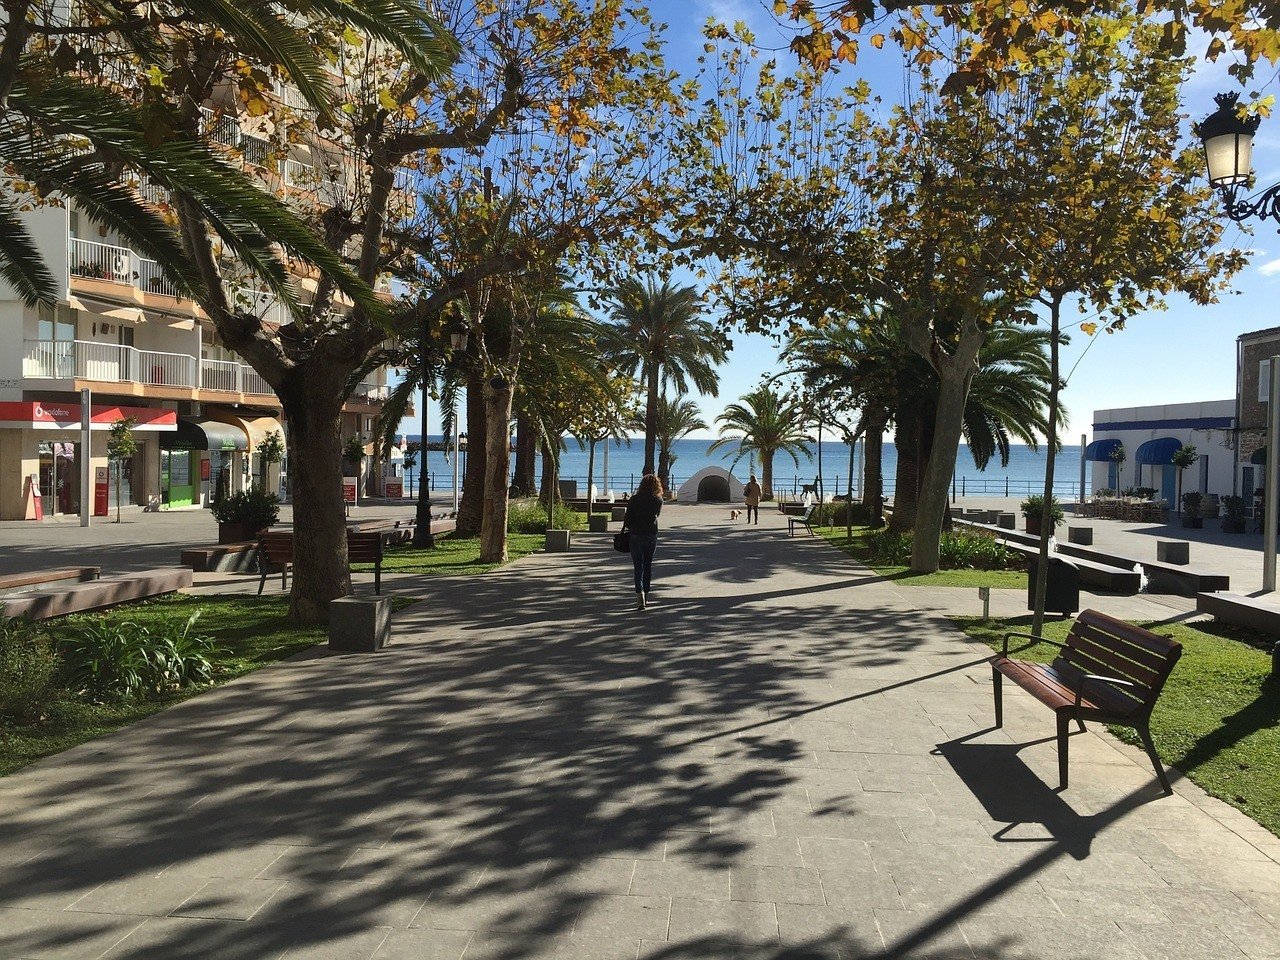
<point>752,497</point>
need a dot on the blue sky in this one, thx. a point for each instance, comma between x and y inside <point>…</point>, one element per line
<point>1184,354</point>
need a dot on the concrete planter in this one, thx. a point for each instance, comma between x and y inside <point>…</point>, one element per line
<point>359,624</point>
<point>557,541</point>
<point>598,523</point>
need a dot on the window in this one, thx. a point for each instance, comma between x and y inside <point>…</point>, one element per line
<point>1264,380</point>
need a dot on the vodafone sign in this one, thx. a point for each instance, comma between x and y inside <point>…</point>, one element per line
<point>57,415</point>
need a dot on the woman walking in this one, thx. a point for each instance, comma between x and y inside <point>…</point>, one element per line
<point>642,522</point>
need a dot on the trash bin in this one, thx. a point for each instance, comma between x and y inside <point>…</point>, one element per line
<point>1062,593</point>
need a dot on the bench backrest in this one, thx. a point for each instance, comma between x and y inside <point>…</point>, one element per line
<point>808,512</point>
<point>364,547</point>
<point>1103,645</point>
<point>275,549</point>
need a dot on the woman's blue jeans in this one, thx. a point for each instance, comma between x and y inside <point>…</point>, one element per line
<point>642,547</point>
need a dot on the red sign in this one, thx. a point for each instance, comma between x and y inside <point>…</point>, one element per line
<point>349,485</point>
<point>58,415</point>
<point>205,469</point>
<point>393,489</point>
<point>100,505</point>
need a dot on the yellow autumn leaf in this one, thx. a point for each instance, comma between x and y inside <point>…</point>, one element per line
<point>387,100</point>
<point>256,107</point>
<point>877,40</point>
<point>1089,328</point>
<point>350,36</point>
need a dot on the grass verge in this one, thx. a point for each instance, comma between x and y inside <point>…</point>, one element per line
<point>451,555</point>
<point>857,548</point>
<point>1218,719</point>
<point>249,631</point>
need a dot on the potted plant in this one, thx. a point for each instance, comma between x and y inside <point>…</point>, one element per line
<point>243,515</point>
<point>1233,520</point>
<point>1191,503</point>
<point>1033,508</point>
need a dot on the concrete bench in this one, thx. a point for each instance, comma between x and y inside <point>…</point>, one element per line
<point>221,558</point>
<point>1007,521</point>
<point>1252,612</point>
<point>1080,534</point>
<point>1176,578</point>
<point>96,594</point>
<point>35,578</point>
<point>1107,576</point>
<point>1173,551</point>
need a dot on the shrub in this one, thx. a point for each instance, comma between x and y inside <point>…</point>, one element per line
<point>957,550</point>
<point>122,660</point>
<point>1033,507</point>
<point>834,514</point>
<point>530,516</point>
<point>1191,504</point>
<point>1104,492</point>
<point>255,508</point>
<point>28,671</point>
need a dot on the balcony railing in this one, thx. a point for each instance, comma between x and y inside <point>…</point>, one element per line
<point>366,392</point>
<point>232,377</point>
<point>107,362</point>
<point>261,303</point>
<point>102,261</point>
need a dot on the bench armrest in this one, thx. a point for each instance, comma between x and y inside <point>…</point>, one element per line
<point>1004,651</point>
<point>1099,678</point>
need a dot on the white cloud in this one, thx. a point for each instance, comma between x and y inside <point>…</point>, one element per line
<point>1270,269</point>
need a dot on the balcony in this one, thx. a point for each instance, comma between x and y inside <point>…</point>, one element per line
<point>115,363</point>
<point>102,261</point>
<point>371,393</point>
<point>260,303</point>
<point>107,362</point>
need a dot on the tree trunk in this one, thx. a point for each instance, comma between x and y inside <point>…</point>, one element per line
<point>664,466</point>
<point>766,474</point>
<point>526,470</point>
<point>546,493</point>
<point>497,481</point>
<point>319,514</point>
<point>848,497</point>
<point>906,485</point>
<point>651,418</point>
<point>471,505</point>
<point>954,378</point>
<point>873,472</point>
<point>1046,514</point>
<point>591,475</point>
<point>552,462</point>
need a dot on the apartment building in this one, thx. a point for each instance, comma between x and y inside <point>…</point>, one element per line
<point>121,330</point>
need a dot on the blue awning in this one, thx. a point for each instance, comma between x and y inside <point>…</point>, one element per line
<point>1157,452</point>
<point>1100,449</point>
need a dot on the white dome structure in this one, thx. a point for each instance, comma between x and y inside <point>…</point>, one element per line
<point>711,485</point>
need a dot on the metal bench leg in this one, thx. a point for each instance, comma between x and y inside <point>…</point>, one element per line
<point>1145,733</point>
<point>997,687</point>
<point>1064,748</point>
<point>262,582</point>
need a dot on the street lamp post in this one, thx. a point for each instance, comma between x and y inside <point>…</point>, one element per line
<point>1228,156</point>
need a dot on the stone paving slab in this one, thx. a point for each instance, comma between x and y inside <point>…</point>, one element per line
<point>786,756</point>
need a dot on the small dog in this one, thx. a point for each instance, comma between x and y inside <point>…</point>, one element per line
<point>734,514</point>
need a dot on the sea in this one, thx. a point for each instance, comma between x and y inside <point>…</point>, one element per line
<point>1023,475</point>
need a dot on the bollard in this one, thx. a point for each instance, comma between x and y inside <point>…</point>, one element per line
<point>984,594</point>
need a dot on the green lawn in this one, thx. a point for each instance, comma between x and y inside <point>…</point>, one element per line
<point>857,548</point>
<point>451,555</point>
<point>1218,719</point>
<point>251,632</point>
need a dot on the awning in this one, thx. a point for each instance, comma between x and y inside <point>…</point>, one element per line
<point>108,311</point>
<point>1157,452</point>
<point>1259,456</point>
<point>1100,449</point>
<point>197,433</point>
<point>60,415</point>
<point>259,428</point>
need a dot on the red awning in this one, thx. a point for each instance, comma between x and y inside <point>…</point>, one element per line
<point>59,415</point>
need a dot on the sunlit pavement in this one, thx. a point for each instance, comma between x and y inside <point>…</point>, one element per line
<point>783,757</point>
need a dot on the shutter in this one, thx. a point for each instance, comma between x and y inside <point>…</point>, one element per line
<point>1264,380</point>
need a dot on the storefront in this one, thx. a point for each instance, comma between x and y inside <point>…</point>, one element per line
<point>190,476</point>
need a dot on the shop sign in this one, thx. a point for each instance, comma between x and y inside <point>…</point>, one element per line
<point>349,485</point>
<point>59,415</point>
<point>394,489</point>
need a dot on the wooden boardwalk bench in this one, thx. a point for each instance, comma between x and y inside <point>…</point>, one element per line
<point>35,578</point>
<point>1253,612</point>
<point>803,519</point>
<point>275,555</point>
<point>1107,670</point>
<point>95,594</point>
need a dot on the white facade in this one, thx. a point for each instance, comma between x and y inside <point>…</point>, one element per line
<point>1208,426</point>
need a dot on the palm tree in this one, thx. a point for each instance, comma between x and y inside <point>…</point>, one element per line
<point>676,420</point>
<point>656,335</point>
<point>763,423</point>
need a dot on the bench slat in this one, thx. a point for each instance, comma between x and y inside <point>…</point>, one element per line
<point>1141,655</point>
<point>1145,639</point>
<point>1097,658</point>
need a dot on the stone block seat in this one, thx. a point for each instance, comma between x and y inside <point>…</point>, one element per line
<point>1256,613</point>
<point>221,558</point>
<point>96,594</point>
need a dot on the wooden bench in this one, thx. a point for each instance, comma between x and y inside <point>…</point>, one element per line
<point>275,555</point>
<point>95,594</point>
<point>803,519</point>
<point>1107,670</point>
<point>35,578</point>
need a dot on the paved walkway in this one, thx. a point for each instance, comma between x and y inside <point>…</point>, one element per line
<point>784,758</point>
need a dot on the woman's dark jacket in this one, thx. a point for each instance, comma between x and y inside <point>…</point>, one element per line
<point>642,514</point>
